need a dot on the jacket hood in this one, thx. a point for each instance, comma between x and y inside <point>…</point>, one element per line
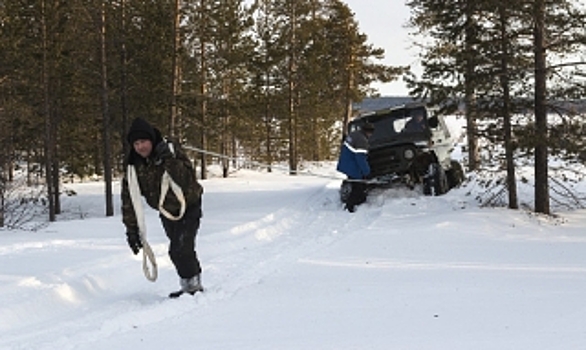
<point>140,129</point>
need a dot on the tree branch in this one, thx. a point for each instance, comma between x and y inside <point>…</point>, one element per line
<point>567,64</point>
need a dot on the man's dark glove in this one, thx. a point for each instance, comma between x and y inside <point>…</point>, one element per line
<point>162,152</point>
<point>134,242</point>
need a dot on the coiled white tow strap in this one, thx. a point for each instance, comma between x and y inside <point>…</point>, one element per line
<point>134,190</point>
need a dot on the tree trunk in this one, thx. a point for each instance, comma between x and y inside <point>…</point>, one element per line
<point>225,137</point>
<point>203,137</point>
<point>348,101</point>
<point>316,149</point>
<point>56,175</point>
<point>541,138</point>
<point>267,98</point>
<point>504,79</point>
<point>203,87</point>
<point>469,94</point>
<point>105,115</point>
<point>348,93</point>
<point>234,152</point>
<point>49,142</point>
<point>3,185</point>
<point>268,129</point>
<point>292,70</point>
<point>2,204</point>
<point>123,78</point>
<point>175,78</point>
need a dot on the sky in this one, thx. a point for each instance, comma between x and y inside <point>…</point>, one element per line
<point>383,21</point>
<point>286,268</point>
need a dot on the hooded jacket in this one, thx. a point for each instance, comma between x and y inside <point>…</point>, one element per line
<point>150,174</point>
<point>353,160</point>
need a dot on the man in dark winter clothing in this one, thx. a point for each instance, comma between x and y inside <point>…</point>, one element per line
<point>152,164</point>
<point>353,162</point>
<point>416,123</point>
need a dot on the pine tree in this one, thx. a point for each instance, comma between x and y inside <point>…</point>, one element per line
<point>232,49</point>
<point>558,32</point>
<point>450,59</point>
<point>199,33</point>
<point>349,49</point>
<point>500,76</point>
<point>266,102</point>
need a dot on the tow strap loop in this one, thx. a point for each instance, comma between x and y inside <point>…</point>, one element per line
<point>167,182</point>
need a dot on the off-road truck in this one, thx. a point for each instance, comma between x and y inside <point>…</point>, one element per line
<point>410,145</point>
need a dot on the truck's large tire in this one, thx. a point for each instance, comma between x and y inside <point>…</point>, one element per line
<point>435,182</point>
<point>455,174</point>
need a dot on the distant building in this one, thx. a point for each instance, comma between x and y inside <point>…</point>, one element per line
<point>378,103</point>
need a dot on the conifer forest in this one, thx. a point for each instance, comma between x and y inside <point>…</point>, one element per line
<point>275,81</point>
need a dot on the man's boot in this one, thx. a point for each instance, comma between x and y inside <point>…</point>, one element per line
<point>191,285</point>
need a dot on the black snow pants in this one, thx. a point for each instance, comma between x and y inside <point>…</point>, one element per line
<point>181,234</point>
<point>357,195</point>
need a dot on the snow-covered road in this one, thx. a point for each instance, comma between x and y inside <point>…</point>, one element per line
<point>286,268</point>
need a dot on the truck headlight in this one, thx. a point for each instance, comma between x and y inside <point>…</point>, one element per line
<point>408,154</point>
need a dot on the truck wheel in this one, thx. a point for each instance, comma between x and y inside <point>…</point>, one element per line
<point>455,174</point>
<point>435,182</point>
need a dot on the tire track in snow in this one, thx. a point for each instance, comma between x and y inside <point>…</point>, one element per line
<point>287,234</point>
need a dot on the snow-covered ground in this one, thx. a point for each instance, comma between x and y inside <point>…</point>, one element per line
<point>286,268</point>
